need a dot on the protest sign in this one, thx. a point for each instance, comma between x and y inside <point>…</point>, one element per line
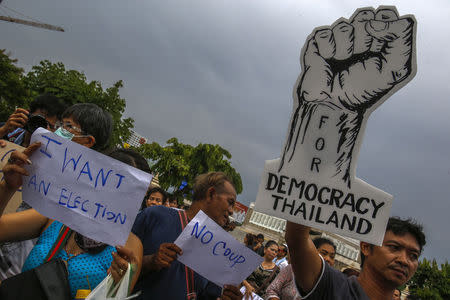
<point>5,152</point>
<point>348,70</point>
<point>213,253</point>
<point>91,193</point>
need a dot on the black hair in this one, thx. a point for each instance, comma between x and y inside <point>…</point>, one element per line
<point>321,240</point>
<point>401,227</point>
<point>129,157</point>
<point>270,243</point>
<point>93,121</point>
<point>151,191</point>
<point>250,239</point>
<point>260,236</point>
<point>49,103</point>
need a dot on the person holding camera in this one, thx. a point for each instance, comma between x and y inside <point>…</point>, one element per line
<point>45,111</point>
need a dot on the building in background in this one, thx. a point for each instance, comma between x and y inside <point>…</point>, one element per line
<point>239,213</point>
<point>136,140</point>
<point>273,228</point>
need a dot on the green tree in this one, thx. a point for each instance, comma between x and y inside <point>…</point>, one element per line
<point>179,162</point>
<point>12,89</point>
<point>73,87</point>
<point>430,281</point>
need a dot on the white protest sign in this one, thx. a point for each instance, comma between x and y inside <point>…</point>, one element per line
<point>5,152</point>
<point>213,253</point>
<point>91,193</point>
<point>348,70</point>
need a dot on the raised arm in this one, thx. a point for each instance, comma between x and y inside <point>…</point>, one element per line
<point>305,259</point>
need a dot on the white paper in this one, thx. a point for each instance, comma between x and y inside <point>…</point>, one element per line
<point>91,193</point>
<point>348,70</point>
<point>213,253</point>
<point>253,297</point>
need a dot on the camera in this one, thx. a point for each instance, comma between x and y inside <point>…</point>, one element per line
<point>34,122</point>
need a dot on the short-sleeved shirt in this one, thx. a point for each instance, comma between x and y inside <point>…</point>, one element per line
<point>335,285</point>
<point>154,226</point>
<point>283,286</point>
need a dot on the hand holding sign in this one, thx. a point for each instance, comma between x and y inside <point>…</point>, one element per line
<point>14,170</point>
<point>213,253</point>
<point>348,70</point>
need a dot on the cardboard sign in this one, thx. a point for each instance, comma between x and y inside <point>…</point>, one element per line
<point>213,253</point>
<point>348,70</point>
<point>91,193</point>
<point>5,152</point>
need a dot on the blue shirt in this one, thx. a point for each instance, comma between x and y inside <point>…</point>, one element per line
<point>94,266</point>
<point>156,225</point>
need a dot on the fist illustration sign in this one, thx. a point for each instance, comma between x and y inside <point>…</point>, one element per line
<point>348,70</point>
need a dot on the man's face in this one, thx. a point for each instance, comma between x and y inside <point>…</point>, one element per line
<point>220,203</point>
<point>328,253</point>
<point>155,198</point>
<point>281,252</point>
<point>260,240</point>
<point>396,260</point>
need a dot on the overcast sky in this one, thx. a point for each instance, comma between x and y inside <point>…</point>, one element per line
<point>223,72</point>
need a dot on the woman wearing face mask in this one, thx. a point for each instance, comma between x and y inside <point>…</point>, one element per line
<point>88,261</point>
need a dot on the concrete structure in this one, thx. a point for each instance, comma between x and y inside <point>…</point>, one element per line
<point>273,228</point>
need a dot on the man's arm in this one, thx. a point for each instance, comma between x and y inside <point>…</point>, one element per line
<point>305,259</point>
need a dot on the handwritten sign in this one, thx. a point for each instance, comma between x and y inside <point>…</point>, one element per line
<point>348,70</point>
<point>91,193</point>
<point>213,253</point>
<point>5,152</point>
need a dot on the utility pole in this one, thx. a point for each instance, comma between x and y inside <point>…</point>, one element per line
<point>30,23</point>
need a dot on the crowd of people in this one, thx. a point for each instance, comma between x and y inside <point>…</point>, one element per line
<point>300,268</point>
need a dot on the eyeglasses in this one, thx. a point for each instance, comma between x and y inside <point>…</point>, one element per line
<point>70,127</point>
<point>54,126</point>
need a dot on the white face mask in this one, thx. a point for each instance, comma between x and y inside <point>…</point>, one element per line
<point>64,133</point>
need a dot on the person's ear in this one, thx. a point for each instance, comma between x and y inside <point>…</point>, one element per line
<point>366,248</point>
<point>210,193</point>
<point>90,141</point>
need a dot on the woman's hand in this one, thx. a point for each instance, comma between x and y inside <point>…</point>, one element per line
<point>119,265</point>
<point>249,289</point>
<point>130,253</point>
<point>14,169</point>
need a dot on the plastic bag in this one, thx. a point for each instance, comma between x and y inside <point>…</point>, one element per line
<point>107,290</point>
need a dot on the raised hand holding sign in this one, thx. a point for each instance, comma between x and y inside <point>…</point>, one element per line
<point>348,70</point>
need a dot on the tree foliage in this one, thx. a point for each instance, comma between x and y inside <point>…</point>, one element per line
<point>18,89</point>
<point>430,281</point>
<point>178,162</point>
<point>73,87</point>
<point>12,88</point>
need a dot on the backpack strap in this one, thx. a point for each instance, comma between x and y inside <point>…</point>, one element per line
<point>189,273</point>
<point>60,242</point>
